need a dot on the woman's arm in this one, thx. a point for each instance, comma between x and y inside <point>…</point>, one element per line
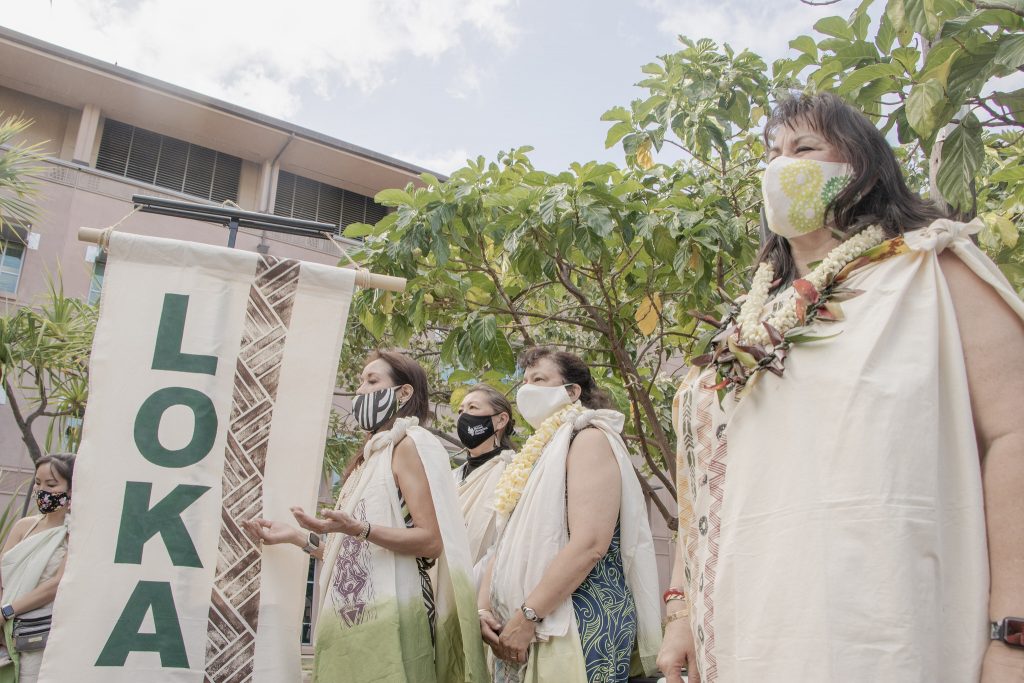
<point>677,649</point>
<point>17,534</point>
<point>993,343</point>
<point>490,627</point>
<point>43,594</point>
<point>274,533</point>
<point>423,539</point>
<point>594,489</point>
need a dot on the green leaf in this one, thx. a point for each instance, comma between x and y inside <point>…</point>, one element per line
<point>617,132</point>
<point>1010,52</point>
<point>923,107</point>
<point>1003,227</point>
<point>962,154</point>
<point>1013,101</point>
<point>834,26</point>
<point>1008,174</point>
<point>921,17</point>
<point>394,197</point>
<point>806,45</point>
<point>617,114</point>
<point>355,230</point>
<point>866,74</point>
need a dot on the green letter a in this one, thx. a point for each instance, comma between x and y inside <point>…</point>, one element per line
<point>167,640</point>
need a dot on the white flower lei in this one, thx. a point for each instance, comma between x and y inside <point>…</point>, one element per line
<point>784,318</point>
<point>513,480</point>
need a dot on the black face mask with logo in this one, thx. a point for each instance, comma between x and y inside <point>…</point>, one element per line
<point>473,430</point>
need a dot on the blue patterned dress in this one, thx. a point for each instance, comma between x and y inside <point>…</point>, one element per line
<point>606,618</point>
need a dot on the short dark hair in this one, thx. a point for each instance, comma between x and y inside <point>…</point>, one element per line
<point>404,369</point>
<point>574,371</point>
<point>499,404</point>
<point>61,463</point>
<point>877,194</point>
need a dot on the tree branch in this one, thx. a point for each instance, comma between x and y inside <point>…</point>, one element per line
<point>980,4</point>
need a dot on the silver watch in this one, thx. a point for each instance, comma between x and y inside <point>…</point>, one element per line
<point>530,614</point>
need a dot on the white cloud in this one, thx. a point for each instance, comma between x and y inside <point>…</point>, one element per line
<point>763,27</point>
<point>467,82</point>
<point>259,53</point>
<point>445,161</point>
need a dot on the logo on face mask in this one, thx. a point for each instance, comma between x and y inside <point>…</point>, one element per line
<point>798,191</point>
<point>48,502</point>
<point>473,430</point>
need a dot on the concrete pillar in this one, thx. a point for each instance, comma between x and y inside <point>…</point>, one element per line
<point>86,138</point>
<point>266,179</point>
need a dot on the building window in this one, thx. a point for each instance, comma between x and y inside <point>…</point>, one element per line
<point>12,257</point>
<point>99,266</point>
<point>299,197</point>
<point>167,162</point>
<point>307,613</point>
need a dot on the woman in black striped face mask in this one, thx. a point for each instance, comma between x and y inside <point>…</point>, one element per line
<point>396,552</point>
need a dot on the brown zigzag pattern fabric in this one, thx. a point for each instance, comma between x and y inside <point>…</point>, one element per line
<point>234,610</point>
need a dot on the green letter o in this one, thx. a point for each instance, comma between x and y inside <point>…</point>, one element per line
<point>147,426</point>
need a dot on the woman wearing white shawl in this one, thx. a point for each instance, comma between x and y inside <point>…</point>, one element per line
<point>32,564</point>
<point>571,594</point>
<point>857,517</point>
<point>484,426</point>
<point>397,590</point>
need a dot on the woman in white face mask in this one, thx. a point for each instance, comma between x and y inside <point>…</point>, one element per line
<point>571,592</point>
<point>847,518</point>
<point>396,589</point>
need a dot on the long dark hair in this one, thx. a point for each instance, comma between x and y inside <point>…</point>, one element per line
<point>574,371</point>
<point>405,370</point>
<point>60,463</point>
<point>877,194</point>
<point>499,404</point>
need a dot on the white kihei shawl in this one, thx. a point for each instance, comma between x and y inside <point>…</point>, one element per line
<point>476,498</point>
<point>372,622</point>
<point>832,521</point>
<point>537,531</point>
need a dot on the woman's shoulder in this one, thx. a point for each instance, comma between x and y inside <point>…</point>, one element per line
<point>23,525</point>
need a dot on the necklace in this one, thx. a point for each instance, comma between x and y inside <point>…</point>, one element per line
<point>748,342</point>
<point>513,480</point>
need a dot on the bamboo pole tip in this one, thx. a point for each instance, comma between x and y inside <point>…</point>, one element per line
<point>93,235</point>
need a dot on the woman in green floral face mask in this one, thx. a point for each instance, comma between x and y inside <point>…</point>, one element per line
<point>850,446</point>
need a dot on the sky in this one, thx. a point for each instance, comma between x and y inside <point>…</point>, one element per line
<point>431,82</point>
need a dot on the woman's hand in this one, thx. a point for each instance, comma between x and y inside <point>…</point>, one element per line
<point>273,533</point>
<point>678,652</point>
<point>336,521</point>
<point>490,629</point>
<point>515,638</point>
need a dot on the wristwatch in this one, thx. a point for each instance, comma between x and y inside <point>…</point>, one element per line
<point>8,611</point>
<point>311,544</point>
<point>530,614</point>
<point>1010,631</point>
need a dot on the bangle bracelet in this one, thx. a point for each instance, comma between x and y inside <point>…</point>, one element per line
<point>365,533</point>
<point>673,594</point>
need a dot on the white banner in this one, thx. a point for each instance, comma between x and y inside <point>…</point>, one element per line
<point>211,380</point>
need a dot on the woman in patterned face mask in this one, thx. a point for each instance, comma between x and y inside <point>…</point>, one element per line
<point>835,518</point>
<point>31,567</point>
<point>396,589</point>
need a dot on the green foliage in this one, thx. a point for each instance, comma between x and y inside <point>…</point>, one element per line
<point>17,163</point>
<point>11,512</point>
<point>44,356</point>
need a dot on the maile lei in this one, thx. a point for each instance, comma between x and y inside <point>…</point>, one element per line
<point>513,480</point>
<point>748,344</point>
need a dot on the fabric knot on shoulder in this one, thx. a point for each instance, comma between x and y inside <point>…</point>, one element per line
<point>382,440</point>
<point>613,419</point>
<point>940,234</point>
